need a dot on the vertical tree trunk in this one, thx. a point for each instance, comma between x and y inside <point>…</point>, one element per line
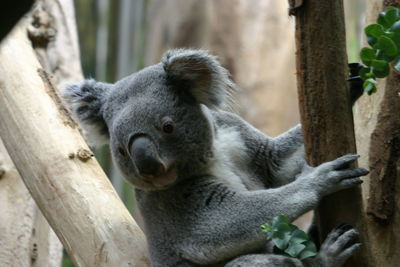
<point>325,107</point>
<point>377,126</point>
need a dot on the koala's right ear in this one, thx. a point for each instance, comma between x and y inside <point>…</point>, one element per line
<point>201,74</point>
<point>85,100</point>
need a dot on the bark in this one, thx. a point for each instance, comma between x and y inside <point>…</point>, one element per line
<point>55,163</point>
<point>26,238</point>
<point>377,125</point>
<point>325,108</point>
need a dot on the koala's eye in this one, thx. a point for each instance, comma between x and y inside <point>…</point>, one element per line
<point>123,153</point>
<point>168,126</point>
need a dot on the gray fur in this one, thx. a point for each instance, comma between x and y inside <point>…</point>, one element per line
<point>228,177</point>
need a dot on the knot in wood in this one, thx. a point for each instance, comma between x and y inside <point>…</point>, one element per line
<point>41,30</point>
<point>84,154</point>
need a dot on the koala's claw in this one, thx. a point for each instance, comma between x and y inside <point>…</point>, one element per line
<point>341,163</point>
<point>340,244</point>
<point>336,175</point>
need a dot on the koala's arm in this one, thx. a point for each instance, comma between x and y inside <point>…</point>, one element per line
<point>276,161</point>
<point>228,224</point>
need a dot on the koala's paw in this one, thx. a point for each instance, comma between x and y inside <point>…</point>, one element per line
<point>340,244</point>
<point>336,175</point>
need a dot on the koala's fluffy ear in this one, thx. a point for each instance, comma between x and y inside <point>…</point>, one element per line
<point>201,73</point>
<point>85,100</point>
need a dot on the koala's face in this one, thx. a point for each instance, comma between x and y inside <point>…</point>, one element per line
<point>157,120</point>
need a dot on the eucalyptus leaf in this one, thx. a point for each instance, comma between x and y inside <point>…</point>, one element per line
<point>392,15</point>
<point>367,55</point>
<point>298,236</point>
<point>380,68</point>
<point>386,47</point>
<point>366,73</point>
<point>309,251</point>
<point>373,32</point>
<point>287,238</point>
<point>369,86</point>
<point>294,249</point>
<point>381,20</point>
<point>277,220</point>
<point>281,237</point>
<point>395,27</point>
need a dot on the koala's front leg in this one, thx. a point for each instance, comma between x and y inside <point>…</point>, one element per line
<point>287,159</point>
<point>229,227</point>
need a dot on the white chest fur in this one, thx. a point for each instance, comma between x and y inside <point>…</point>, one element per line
<point>230,164</point>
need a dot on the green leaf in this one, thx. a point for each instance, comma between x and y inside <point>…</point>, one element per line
<point>367,55</point>
<point>277,220</point>
<point>373,32</point>
<point>294,249</point>
<point>388,17</point>
<point>396,40</point>
<point>395,27</point>
<point>287,238</point>
<point>380,68</point>
<point>282,236</point>
<point>381,20</point>
<point>392,15</point>
<point>309,251</point>
<point>369,86</point>
<point>387,48</point>
<point>366,73</point>
<point>298,236</point>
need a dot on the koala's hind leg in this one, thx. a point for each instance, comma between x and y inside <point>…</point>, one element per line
<point>340,244</point>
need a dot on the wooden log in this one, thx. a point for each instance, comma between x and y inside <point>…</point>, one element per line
<point>57,167</point>
<point>26,239</point>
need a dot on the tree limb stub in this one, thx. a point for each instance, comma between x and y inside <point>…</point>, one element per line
<point>75,197</point>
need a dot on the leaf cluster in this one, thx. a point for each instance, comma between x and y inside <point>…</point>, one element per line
<point>384,39</point>
<point>288,239</point>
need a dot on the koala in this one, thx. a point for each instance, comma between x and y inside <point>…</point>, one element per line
<point>205,179</point>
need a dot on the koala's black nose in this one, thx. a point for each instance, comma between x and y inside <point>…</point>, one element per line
<point>145,157</point>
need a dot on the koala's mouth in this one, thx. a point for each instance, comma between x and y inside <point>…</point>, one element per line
<point>164,179</point>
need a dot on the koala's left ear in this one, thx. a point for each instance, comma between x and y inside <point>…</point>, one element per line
<point>85,100</point>
<point>201,74</point>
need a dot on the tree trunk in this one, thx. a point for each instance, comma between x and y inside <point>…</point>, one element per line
<point>325,107</point>
<point>26,239</point>
<point>52,158</point>
<point>377,126</point>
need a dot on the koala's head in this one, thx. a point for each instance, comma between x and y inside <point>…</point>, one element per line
<point>157,120</point>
